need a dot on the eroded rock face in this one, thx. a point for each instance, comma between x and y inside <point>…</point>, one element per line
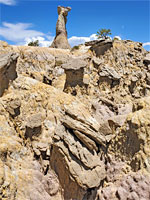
<point>74,125</point>
<point>134,137</point>
<point>132,186</point>
<point>61,40</point>
<point>99,46</point>
<point>7,69</point>
<point>76,145</point>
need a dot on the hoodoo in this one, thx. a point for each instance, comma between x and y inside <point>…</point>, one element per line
<point>61,40</point>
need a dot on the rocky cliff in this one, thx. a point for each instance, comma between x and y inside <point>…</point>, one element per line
<point>75,124</point>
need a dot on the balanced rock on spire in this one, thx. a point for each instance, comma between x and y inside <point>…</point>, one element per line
<point>60,40</point>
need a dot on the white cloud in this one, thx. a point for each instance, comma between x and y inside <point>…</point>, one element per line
<point>146,44</point>
<point>47,40</point>
<point>117,37</point>
<point>18,32</point>
<point>93,37</point>
<point>22,34</point>
<point>74,40</point>
<point>42,41</point>
<point>8,2</point>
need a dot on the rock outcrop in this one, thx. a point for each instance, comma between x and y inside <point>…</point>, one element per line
<point>76,145</point>
<point>100,46</point>
<point>74,70</point>
<point>7,69</point>
<point>61,41</point>
<point>75,125</point>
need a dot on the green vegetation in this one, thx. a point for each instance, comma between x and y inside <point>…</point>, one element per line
<point>75,48</point>
<point>103,33</point>
<point>35,43</point>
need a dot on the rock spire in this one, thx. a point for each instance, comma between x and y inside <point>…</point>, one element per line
<point>60,40</point>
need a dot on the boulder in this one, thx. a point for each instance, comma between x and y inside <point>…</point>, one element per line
<point>99,46</point>
<point>7,70</point>
<point>33,126</point>
<point>74,69</point>
<point>147,59</point>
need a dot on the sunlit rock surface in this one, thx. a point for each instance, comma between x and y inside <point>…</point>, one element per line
<point>74,124</point>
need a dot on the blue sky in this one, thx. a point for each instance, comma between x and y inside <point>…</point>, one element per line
<point>23,21</point>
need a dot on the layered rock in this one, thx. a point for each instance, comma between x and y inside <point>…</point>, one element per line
<point>76,145</point>
<point>61,41</point>
<point>74,125</point>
